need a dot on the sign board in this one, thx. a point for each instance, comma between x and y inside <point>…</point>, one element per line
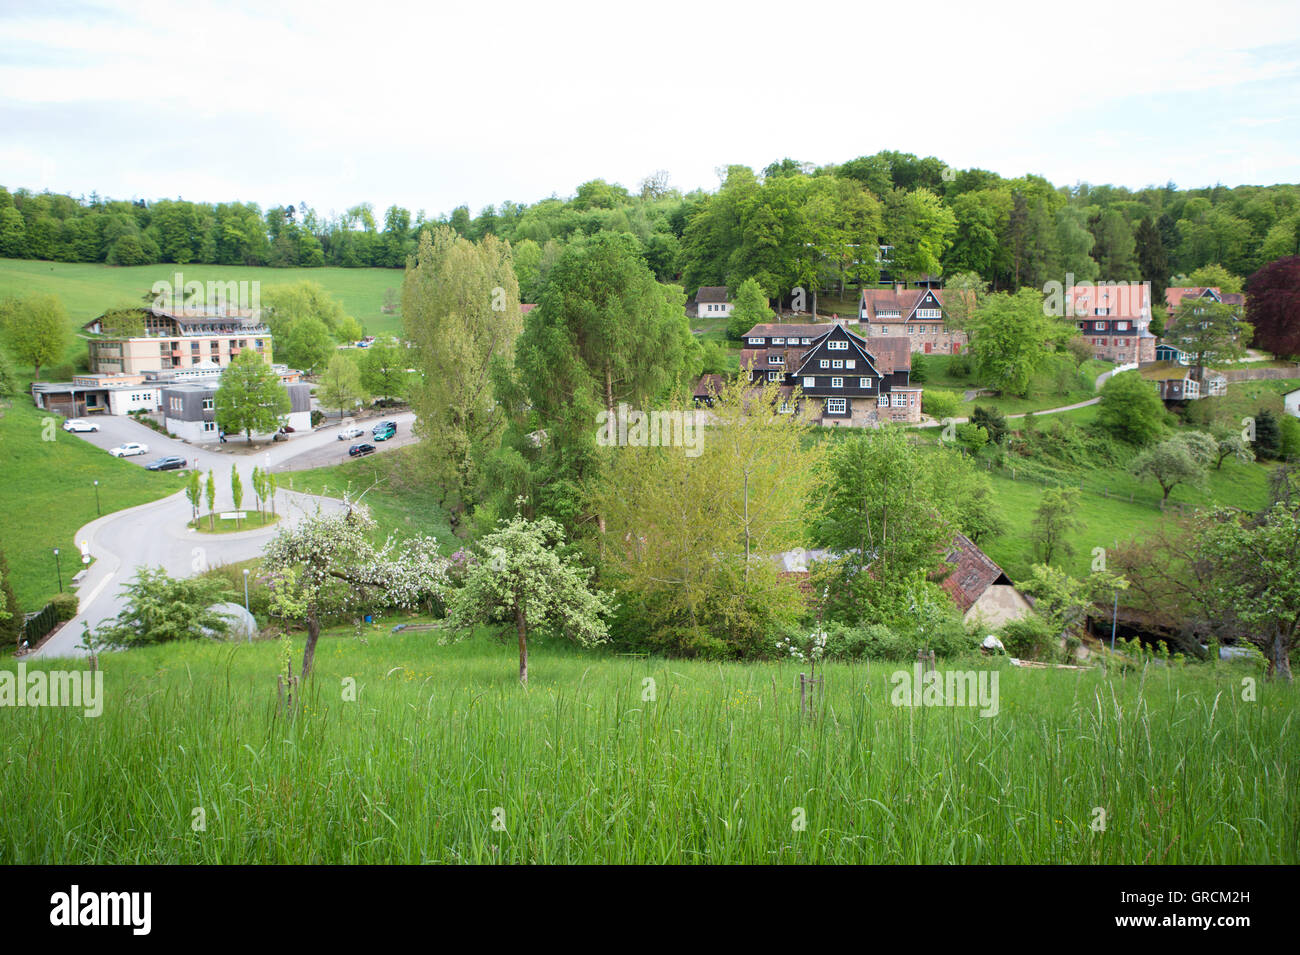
<point>233,515</point>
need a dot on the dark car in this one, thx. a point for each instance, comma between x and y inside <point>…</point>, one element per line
<point>384,430</point>
<point>358,450</point>
<point>169,463</point>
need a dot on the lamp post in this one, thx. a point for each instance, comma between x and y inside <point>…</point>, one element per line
<point>58,569</point>
<point>97,510</point>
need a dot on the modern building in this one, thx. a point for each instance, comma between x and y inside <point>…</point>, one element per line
<point>189,409</point>
<point>856,381</point>
<point>918,316</point>
<point>1114,318</point>
<point>177,340</point>
<point>120,394</point>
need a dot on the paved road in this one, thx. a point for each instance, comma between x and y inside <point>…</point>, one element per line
<point>156,534</point>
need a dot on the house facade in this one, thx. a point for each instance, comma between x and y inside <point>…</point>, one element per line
<point>1174,297</point>
<point>182,339</point>
<point>917,316</point>
<point>1114,318</point>
<point>853,381</point>
<point>712,301</point>
<point>189,409</point>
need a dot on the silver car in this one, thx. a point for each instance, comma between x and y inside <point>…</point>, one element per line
<point>129,450</point>
<point>347,434</point>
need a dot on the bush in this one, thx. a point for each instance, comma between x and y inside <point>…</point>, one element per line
<point>992,421</point>
<point>65,606</point>
<point>940,404</point>
<point>920,369</point>
<point>317,416</point>
<point>1028,639</point>
<point>959,367</point>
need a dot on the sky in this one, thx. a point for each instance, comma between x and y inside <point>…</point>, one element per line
<point>430,106</point>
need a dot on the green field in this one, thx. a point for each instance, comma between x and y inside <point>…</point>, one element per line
<point>47,492</point>
<point>88,290</point>
<point>586,765</point>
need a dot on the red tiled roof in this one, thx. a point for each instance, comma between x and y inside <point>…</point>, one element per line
<point>973,572</point>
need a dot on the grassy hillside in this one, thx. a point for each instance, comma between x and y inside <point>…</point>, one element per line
<point>47,493</point>
<point>708,763</point>
<point>87,290</point>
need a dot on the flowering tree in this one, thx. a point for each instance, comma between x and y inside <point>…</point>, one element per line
<point>328,565</point>
<point>522,579</point>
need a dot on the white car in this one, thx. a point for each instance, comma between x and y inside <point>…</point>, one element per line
<point>129,450</point>
<point>79,424</point>
<point>350,433</point>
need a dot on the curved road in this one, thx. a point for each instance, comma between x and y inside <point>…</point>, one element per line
<point>156,534</point>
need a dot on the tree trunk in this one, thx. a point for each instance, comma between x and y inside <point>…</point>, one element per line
<point>1281,659</point>
<point>522,626</point>
<point>309,651</point>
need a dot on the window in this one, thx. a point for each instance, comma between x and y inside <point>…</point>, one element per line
<point>850,363</point>
<point>771,376</point>
<point>864,383</point>
<point>837,405</point>
<point>1121,326</point>
<point>837,363</point>
<point>884,329</point>
<point>757,341</point>
<point>927,313</point>
<point>778,341</point>
<point>209,426</point>
<point>838,346</point>
<point>823,363</point>
<point>837,382</point>
<point>207,404</point>
<point>776,359</point>
<point>805,341</point>
<point>810,382</point>
<point>899,400</point>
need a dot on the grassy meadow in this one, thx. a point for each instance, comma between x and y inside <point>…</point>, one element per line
<point>47,492</point>
<point>587,765</point>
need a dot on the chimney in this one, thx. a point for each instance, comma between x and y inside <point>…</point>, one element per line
<point>900,287</point>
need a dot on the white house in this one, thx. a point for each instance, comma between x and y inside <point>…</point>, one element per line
<point>711,301</point>
<point>1292,402</point>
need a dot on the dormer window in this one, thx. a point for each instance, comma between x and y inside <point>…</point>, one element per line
<point>757,341</point>
<point>778,341</point>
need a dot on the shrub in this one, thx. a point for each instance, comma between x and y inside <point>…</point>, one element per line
<point>1028,638</point>
<point>65,606</point>
<point>940,404</point>
<point>959,367</point>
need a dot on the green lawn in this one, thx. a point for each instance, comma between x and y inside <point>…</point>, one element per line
<point>88,290</point>
<point>442,757</point>
<point>1043,393</point>
<point>47,492</point>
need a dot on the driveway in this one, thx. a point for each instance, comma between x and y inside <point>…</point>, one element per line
<point>156,534</point>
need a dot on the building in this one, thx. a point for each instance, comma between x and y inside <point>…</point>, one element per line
<point>1171,353</point>
<point>1114,317</point>
<point>1187,388</point>
<point>1175,297</point>
<point>980,588</point>
<point>121,394</point>
<point>855,381</point>
<point>189,409</point>
<point>712,301</point>
<point>1291,402</point>
<point>918,316</point>
<point>174,340</point>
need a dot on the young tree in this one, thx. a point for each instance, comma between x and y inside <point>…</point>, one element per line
<point>1268,436</point>
<point>250,397</point>
<point>384,368</point>
<point>521,579</point>
<point>1231,445</point>
<point>36,330</point>
<point>1010,339</point>
<point>194,494</point>
<point>1130,408</point>
<point>992,421</point>
<point>460,307</point>
<point>211,491</point>
<point>1209,332</point>
<point>1181,459</point>
<point>340,385</point>
<point>1064,602</point>
<point>1055,522</point>
<point>326,565</point>
<point>160,609</point>
<point>750,308</point>
<point>236,491</point>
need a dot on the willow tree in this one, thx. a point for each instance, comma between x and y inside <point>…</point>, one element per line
<point>460,308</point>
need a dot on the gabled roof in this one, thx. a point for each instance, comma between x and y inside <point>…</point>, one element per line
<point>973,572</point>
<point>904,301</point>
<point>711,294</point>
<point>1174,296</point>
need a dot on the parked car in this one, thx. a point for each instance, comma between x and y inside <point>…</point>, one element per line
<point>129,450</point>
<point>169,463</point>
<point>348,433</point>
<point>79,424</point>
<point>384,430</point>
<point>360,450</point>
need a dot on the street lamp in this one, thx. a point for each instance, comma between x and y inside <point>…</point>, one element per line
<point>97,510</point>
<point>58,569</point>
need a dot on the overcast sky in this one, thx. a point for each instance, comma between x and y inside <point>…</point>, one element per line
<point>430,107</point>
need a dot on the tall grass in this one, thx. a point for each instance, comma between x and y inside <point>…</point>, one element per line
<point>583,769</point>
